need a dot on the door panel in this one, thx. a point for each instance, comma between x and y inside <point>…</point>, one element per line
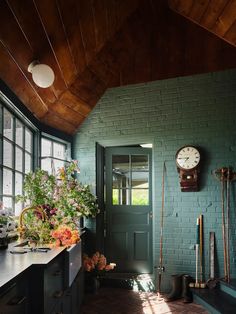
<point>129,208</point>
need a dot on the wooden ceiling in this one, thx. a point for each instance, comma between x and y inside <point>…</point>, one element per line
<point>218,17</point>
<point>95,44</point>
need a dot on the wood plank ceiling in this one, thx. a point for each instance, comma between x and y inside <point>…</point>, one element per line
<point>95,44</point>
<point>218,16</point>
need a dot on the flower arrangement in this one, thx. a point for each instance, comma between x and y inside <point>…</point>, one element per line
<point>64,235</point>
<point>97,264</point>
<point>56,205</point>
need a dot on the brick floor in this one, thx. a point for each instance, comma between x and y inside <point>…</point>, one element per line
<point>122,301</point>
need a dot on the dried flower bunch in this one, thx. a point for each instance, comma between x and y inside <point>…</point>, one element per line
<point>63,200</point>
<point>97,264</point>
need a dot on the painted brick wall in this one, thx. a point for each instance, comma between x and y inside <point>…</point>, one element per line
<point>198,110</point>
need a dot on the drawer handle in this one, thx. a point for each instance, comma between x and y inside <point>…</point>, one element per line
<point>58,294</point>
<point>57,273</point>
<point>17,300</point>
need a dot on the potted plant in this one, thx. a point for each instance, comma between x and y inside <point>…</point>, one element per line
<point>95,267</point>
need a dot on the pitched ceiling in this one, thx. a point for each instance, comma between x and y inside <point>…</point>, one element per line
<point>95,44</point>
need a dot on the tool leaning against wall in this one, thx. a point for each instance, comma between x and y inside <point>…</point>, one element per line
<point>161,268</point>
<point>226,176</point>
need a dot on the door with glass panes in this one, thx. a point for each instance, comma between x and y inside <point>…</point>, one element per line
<point>129,208</point>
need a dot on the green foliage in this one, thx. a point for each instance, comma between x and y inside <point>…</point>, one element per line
<point>39,188</point>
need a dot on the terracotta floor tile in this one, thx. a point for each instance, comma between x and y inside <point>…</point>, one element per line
<point>121,301</point>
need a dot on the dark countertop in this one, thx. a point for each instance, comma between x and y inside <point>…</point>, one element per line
<point>12,265</point>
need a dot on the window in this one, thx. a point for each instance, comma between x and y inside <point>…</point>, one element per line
<point>16,155</point>
<point>130,176</point>
<point>54,153</point>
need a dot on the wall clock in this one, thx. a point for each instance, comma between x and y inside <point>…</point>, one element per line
<point>187,162</point>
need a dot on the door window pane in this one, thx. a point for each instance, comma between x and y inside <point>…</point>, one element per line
<point>121,197</point>
<point>28,140</point>
<point>7,153</point>
<point>115,197</point>
<point>139,162</point>
<point>120,171</point>
<point>59,150</point>
<point>139,196</point>
<point>8,124</point>
<point>46,147</point>
<point>28,163</point>
<point>19,133</point>
<point>7,181</point>
<point>140,179</point>
<point>19,159</point>
<point>18,183</point>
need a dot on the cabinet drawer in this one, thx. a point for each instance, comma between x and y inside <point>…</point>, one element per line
<point>13,301</point>
<point>53,283</point>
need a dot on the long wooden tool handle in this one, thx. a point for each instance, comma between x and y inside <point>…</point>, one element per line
<point>223,226</point>
<point>227,222</point>
<point>212,255</point>
<point>197,249</point>
<point>201,247</point>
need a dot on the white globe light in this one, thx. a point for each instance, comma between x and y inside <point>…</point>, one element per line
<point>42,74</point>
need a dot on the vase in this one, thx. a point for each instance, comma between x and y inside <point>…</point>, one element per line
<point>91,283</point>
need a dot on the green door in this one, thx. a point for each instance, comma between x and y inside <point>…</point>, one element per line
<point>129,208</point>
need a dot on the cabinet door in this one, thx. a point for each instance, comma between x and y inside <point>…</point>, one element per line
<point>13,301</point>
<point>53,283</point>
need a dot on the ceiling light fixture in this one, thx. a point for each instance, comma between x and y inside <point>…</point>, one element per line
<point>149,145</point>
<point>42,75</point>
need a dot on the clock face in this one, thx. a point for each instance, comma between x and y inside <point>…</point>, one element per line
<point>187,157</point>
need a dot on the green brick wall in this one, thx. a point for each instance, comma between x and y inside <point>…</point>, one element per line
<point>198,110</point>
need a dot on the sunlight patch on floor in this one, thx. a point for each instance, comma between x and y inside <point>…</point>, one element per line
<point>143,283</point>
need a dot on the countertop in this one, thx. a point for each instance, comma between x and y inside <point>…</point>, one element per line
<point>12,265</point>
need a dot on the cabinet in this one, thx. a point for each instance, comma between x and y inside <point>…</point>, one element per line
<point>14,299</point>
<point>53,288</point>
<point>46,286</point>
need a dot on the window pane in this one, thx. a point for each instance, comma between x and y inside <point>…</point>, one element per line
<point>28,163</point>
<point>140,179</point>
<point>28,140</point>
<point>18,183</point>
<point>19,133</point>
<point>120,171</point>
<point>59,150</point>
<point>7,181</point>
<point>57,164</point>
<point>8,124</point>
<point>46,164</point>
<point>7,153</point>
<point>139,162</point>
<point>19,159</point>
<point>46,147</point>
<point>18,208</point>
<point>140,197</point>
<point>120,196</point>
<point>7,203</point>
